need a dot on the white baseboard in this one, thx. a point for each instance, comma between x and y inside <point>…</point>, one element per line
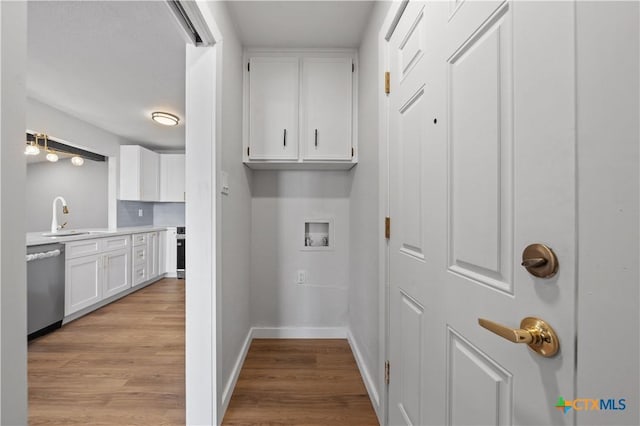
<point>235,373</point>
<point>369,383</point>
<point>299,333</point>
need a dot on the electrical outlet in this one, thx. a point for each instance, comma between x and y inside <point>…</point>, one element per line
<point>301,277</point>
<point>140,213</point>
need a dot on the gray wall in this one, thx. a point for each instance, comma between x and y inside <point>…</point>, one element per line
<point>366,222</point>
<point>13,294</point>
<point>282,201</point>
<point>84,188</point>
<point>234,238</point>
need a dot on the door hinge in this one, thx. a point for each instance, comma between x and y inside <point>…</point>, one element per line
<point>386,372</point>
<point>387,227</point>
<point>387,82</point>
<point>248,150</point>
<point>249,66</point>
<point>353,67</point>
<point>352,152</point>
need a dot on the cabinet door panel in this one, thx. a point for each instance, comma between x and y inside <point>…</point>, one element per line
<point>273,108</point>
<point>117,272</point>
<point>150,175</point>
<point>327,108</point>
<point>172,177</point>
<point>82,283</point>
<point>152,255</point>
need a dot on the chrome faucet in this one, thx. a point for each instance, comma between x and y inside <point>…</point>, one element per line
<point>54,217</point>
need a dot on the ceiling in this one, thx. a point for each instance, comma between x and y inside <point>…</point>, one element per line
<point>301,23</point>
<point>109,63</point>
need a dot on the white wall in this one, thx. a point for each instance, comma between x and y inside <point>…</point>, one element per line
<point>60,125</point>
<point>13,294</point>
<point>84,188</point>
<point>366,222</point>
<point>282,200</point>
<point>608,111</point>
<point>73,131</point>
<point>235,217</point>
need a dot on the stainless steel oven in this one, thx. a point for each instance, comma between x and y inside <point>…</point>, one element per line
<point>182,247</point>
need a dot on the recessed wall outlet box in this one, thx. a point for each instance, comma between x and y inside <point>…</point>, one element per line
<point>224,182</point>
<point>140,214</point>
<point>301,277</point>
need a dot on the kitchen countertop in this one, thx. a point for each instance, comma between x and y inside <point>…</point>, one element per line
<point>36,238</point>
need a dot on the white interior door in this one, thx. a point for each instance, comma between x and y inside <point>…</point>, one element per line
<point>482,148</point>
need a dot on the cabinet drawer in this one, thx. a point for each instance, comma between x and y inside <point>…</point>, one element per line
<point>139,255</point>
<point>139,239</point>
<point>115,243</point>
<point>139,274</point>
<point>82,248</point>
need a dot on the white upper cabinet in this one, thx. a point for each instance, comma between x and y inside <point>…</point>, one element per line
<point>326,111</point>
<point>172,175</point>
<point>139,173</point>
<point>273,108</point>
<point>299,110</point>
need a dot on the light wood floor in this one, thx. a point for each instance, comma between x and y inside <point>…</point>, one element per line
<point>124,365</point>
<point>295,382</point>
<point>120,365</point>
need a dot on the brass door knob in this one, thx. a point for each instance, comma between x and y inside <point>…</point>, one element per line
<point>540,261</point>
<point>539,335</point>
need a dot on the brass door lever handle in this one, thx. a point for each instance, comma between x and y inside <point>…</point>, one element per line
<point>534,262</point>
<point>539,335</point>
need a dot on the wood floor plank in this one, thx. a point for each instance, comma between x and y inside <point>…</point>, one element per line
<point>300,382</point>
<point>120,365</point>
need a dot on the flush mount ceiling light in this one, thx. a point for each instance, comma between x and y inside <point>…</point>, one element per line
<point>77,161</point>
<point>165,118</point>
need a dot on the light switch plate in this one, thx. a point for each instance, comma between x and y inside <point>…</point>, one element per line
<point>140,213</point>
<point>224,182</point>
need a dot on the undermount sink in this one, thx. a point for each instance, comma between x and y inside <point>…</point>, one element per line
<point>69,233</point>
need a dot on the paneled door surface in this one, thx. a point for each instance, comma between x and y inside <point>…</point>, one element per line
<point>481,165</point>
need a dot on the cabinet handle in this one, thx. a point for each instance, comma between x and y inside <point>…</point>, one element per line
<point>316,138</point>
<point>284,138</point>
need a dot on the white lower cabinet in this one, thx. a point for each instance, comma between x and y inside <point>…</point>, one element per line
<point>116,272</point>
<point>170,252</point>
<point>99,268</point>
<point>153,255</point>
<point>83,283</point>
<point>90,278</point>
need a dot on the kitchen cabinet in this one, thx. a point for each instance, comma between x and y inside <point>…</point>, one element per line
<point>172,177</point>
<point>299,109</point>
<point>170,252</point>
<point>140,259</point>
<point>326,110</point>
<point>153,255</point>
<point>96,269</point>
<point>139,174</point>
<point>116,272</point>
<point>273,108</point>
<point>83,279</point>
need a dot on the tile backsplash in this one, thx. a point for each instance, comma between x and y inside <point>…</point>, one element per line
<point>128,213</point>
<point>168,214</point>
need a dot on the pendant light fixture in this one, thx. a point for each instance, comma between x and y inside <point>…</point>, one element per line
<point>77,161</point>
<point>51,155</point>
<point>32,148</point>
<point>165,118</point>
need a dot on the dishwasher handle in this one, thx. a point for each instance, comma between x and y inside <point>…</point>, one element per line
<point>43,255</point>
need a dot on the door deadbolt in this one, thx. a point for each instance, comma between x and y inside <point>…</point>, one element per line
<point>540,261</point>
<point>536,333</point>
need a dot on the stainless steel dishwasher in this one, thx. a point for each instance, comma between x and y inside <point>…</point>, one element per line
<point>45,288</point>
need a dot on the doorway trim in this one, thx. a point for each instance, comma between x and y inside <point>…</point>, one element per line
<point>386,30</point>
